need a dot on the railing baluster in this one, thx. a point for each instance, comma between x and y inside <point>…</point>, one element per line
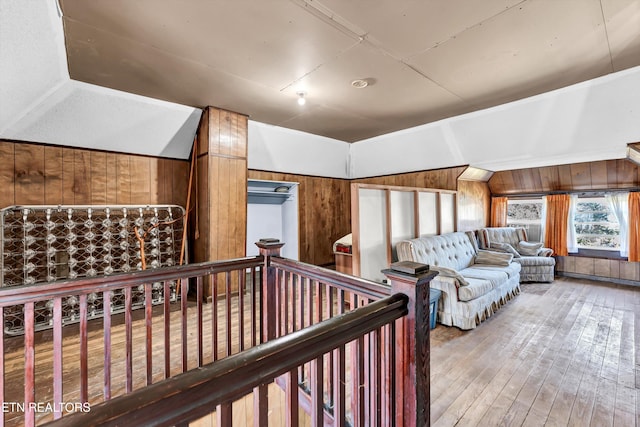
<point>84,351</point>
<point>315,385</point>
<point>291,398</point>
<point>128,324</point>
<point>29,364</point>
<point>106,327</point>
<point>254,307</point>
<point>260,406</point>
<point>224,415</point>
<point>184,291</point>
<point>358,383</point>
<point>148,317</point>
<point>301,301</point>
<point>214,315</point>
<point>227,300</point>
<point>57,357</point>
<point>294,298</point>
<point>339,389</point>
<point>167,329</point>
<point>376,383</point>
<point>2,372</point>
<point>200,319</point>
<point>241,289</point>
<point>285,307</point>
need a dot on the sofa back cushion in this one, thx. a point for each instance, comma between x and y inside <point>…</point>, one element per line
<point>510,235</point>
<point>451,250</point>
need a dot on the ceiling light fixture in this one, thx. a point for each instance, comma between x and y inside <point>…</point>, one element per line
<point>360,83</point>
<point>301,98</point>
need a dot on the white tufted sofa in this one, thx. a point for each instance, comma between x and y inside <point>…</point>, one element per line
<point>454,254</point>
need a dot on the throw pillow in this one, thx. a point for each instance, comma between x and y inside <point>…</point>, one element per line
<point>528,248</point>
<point>450,272</point>
<point>505,247</point>
<point>493,258</point>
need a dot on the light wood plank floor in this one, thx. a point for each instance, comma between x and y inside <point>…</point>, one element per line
<point>560,354</point>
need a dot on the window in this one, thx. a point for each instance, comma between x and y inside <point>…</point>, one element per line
<point>528,214</point>
<point>596,225</point>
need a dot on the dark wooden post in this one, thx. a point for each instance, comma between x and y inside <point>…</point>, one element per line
<point>268,249</point>
<point>413,354</point>
<point>268,294</point>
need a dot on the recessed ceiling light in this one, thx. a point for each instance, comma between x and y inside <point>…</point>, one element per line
<point>360,83</point>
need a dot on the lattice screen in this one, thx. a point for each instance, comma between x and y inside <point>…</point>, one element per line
<point>47,243</point>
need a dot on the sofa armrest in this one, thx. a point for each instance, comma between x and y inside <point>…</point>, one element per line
<point>449,287</point>
<point>545,252</point>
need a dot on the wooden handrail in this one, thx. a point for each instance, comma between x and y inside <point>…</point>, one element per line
<point>42,291</point>
<point>191,395</point>
<point>346,282</point>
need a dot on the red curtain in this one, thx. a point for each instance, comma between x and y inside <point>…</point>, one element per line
<point>634,227</point>
<point>498,211</point>
<point>556,225</point>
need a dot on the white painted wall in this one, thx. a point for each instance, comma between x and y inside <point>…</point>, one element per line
<point>590,121</point>
<point>33,61</point>
<point>39,103</point>
<point>278,149</point>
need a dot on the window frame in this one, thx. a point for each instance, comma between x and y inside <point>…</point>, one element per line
<point>598,251</point>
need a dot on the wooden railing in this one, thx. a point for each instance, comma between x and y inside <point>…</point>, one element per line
<point>192,395</point>
<point>377,377</point>
<point>73,363</point>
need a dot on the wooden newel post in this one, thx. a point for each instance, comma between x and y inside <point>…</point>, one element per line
<point>413,350</point>
<point>269,249</point>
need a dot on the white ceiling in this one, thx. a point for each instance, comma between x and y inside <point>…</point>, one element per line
<point>141,70</point>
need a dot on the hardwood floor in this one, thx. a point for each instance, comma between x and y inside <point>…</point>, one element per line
<point>560,354</point>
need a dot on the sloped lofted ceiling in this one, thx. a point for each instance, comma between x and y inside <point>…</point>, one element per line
<point>425,61</point>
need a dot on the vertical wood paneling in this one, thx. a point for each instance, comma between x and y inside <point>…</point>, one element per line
<point>580,176</point>
<point>112,179</point>
<point>154,181</point>
<point>600,175</point>
<point>123,180</point>
<point>140,180</point>
<point>221,186</point>
<point>68,189</point>
<point>29,174</point>
<point>474,204</point>
<point>53,175</point>
<point>7,174</point>
<point>82,177</point>
<point>98,178</point>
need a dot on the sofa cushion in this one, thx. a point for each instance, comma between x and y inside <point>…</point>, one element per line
<point>476,288</point>
<point>512,269</point>
<point>505,247</point>
<point>528,248</point>
<point>496,277</point>
<point>510,235</point>
<point>450,272</point>
<point>493,258</point>
<point>535,260</point>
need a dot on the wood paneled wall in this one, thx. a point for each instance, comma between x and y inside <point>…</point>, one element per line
<point>34,174</point>
<point>221,185</point>
<point>474,205</point>
<point>598,268</point>
<point>324,213</point>
<point>601,175</point>
<point>445,179</point>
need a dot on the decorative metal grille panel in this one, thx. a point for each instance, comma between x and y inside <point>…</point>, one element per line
<point>49,243</point>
